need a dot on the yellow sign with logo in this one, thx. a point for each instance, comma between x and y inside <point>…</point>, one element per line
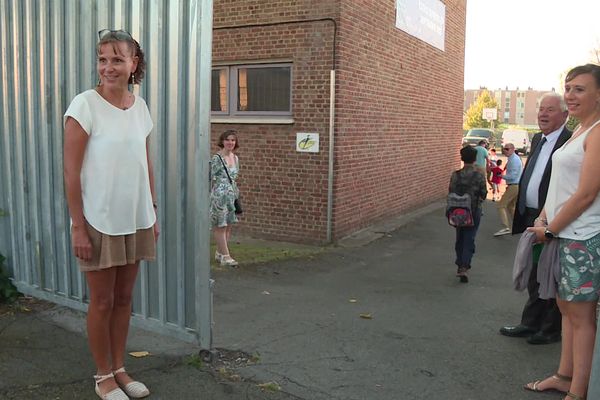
<point>307,142</point>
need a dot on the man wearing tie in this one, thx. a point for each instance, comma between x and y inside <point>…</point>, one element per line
<point>541,319</point>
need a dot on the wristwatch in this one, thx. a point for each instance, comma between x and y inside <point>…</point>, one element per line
<point>549,234</point>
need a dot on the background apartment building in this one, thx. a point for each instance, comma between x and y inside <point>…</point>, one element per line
<point>272,63</point>
<point>515,107</point>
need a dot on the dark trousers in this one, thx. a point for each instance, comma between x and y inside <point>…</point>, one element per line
<point>538,314</point>
<point>465,241</point>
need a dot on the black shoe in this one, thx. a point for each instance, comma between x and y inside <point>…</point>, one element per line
<point>516,331</point>
<point>542,338</point>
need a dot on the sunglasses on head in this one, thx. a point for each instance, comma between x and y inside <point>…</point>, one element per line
<point>118,34</point>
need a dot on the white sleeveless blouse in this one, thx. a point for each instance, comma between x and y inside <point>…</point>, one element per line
<point>564,181</point>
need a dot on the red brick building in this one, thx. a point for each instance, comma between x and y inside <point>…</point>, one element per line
<point>398,109</point>
<point>518,107</point>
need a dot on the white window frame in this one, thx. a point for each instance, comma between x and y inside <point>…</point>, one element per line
<point>233,114</point>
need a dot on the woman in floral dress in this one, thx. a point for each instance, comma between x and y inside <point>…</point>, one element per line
<point>223,193</point>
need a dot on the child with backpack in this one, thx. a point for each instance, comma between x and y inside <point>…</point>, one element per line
<point>467,191</point>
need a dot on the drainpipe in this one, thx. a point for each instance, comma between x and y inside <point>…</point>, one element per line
<point>330,169</point>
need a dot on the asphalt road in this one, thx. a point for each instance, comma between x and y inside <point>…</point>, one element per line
<point>387,320</point>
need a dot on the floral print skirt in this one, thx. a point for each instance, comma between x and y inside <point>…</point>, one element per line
<point>222,209</point>
<point>579,269</point>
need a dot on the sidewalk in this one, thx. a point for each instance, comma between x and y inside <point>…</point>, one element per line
<point>383,319</point>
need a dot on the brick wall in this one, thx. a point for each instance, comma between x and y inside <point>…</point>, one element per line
<point>398,114</point>
<point>284,192</point>
<point>242,12</point>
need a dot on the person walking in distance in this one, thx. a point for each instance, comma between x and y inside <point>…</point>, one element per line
<point>506,205</point>
<point>467,180</point>
<point>496,180</point>
<point>483,158</point>
<point>540,321</point>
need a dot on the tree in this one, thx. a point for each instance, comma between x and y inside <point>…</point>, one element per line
<point>474,115</point>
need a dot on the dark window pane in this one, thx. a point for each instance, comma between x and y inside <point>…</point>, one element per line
<point>218,92</point>
<point>264,89</point>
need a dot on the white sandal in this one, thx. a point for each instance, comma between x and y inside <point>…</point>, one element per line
<point>135,389</point>
<point>227,261</point>
<point>116,394</point>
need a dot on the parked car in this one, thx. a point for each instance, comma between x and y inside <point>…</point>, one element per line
<point>475,135</point>
<point>518,137</point>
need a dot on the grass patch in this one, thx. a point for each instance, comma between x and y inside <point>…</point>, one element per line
<point>270,386</point>
<point>8,292</point>
<point>255,358</point>
<point>256,252</point>
<point>194,361</point>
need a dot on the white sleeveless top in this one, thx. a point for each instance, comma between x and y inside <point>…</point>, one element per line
<point>566,170</point>
<point>114,176</point>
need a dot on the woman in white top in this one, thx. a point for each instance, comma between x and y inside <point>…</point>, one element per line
<point>572,216</point>
<point>110,194</point>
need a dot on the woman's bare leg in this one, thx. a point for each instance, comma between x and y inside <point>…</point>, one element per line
<point>228,230</point>
<point>565,366</point>
<point>121,315</point>
<point>582,317</point>
<point>220,235</point>
<point>101,284</point>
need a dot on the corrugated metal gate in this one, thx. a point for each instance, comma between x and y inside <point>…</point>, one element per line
<point>47,56</point>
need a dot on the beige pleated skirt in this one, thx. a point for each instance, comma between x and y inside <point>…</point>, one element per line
<point>113,251</point>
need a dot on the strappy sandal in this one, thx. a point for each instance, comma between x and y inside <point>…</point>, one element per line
<point>533,386</point>
<point>116,394</point>
<point>227,261</point>
<point>218,256</point>
<point>574,396</point>
<point>135,389</point>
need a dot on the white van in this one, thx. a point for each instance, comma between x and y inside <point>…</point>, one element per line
<point>518,137</point>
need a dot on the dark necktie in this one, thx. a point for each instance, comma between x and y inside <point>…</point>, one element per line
<point>527,176</point>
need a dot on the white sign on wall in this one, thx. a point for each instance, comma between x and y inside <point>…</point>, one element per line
<point>423,19</point>
<point>307,142</point>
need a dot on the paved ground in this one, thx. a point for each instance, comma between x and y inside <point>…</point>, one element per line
<point>427,335</point>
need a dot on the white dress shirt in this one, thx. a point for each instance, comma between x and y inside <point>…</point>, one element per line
<point>531,196</point>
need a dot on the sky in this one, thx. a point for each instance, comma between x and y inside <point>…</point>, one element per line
<point>528,43</point>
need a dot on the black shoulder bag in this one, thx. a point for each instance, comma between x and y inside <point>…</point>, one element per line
<point>236,203</point>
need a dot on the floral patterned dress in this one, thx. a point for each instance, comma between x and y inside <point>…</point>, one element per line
<point>223,193</point>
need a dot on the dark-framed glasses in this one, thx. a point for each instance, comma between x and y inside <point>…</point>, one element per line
<point>118,34</point>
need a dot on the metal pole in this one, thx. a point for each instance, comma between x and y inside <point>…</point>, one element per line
<point>331,152</point>
<point>203,284</point>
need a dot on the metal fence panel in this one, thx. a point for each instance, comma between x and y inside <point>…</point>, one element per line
<point>47,56</point>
